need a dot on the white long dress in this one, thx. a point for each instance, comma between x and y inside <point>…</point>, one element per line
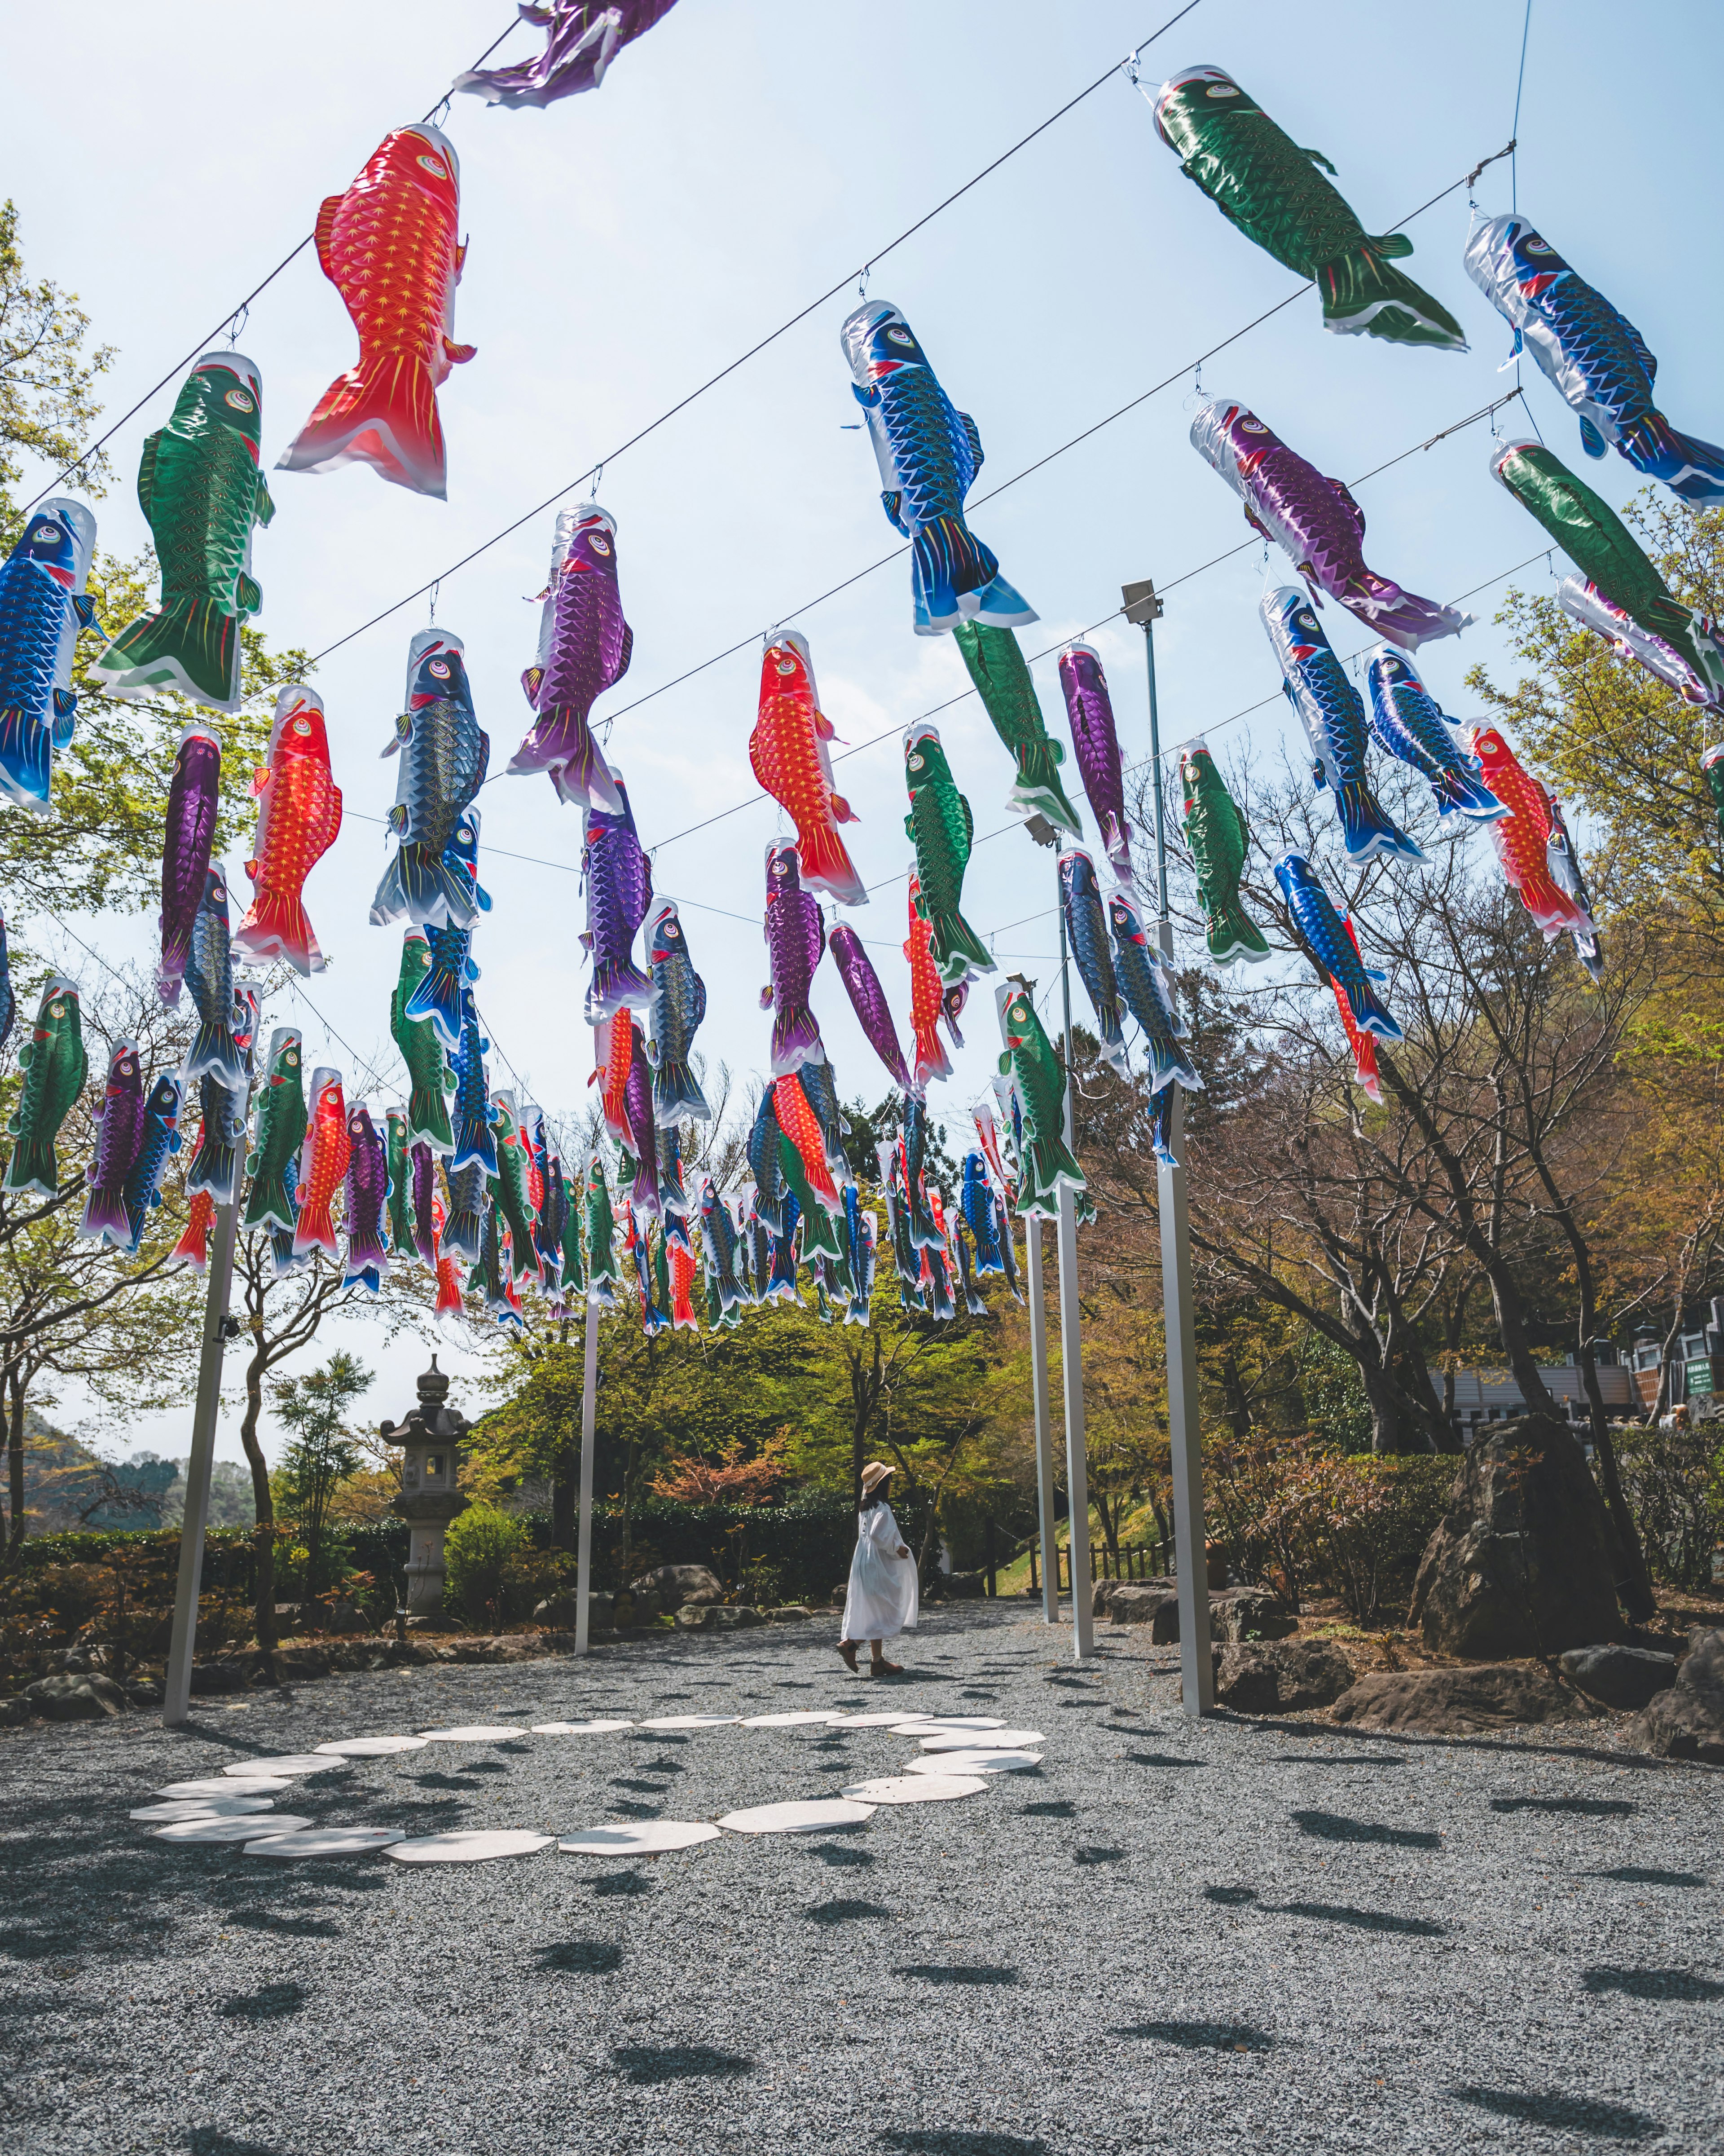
<point>884,1593</point>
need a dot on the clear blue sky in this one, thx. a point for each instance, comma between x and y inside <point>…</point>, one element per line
<point>738,160</point>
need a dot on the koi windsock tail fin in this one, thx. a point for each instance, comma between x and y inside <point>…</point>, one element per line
<point>474,1143</point>
<point>192,1249</point>
<point>796,1040</point>
<point>1363,293</point>
<point>924,1235</point>
<point>958,951</point>
<point>1037,790</point>
<point>561,745</point>
<point>215,1051</point>
<point>1048,1162</point>
<point>104,1217</point>
<point>1234,934</point>
<point>1368,829</point>
<point>1170,1064</point>
<point>26,767</point>
<point>1399,616</point>
<point>462,1234</point>
<point>954,577</point>
<point>1113,1037</point>
<point>423,887</point>
<point>1460,790</point>
<point>428,1124</point>
<point>1688,466</point>
<point>1371,1015</point>
<point>271,1207</point>
<point>438,997</point>
<point>826,865</point>
<point>676,1094</point>
<point>214,1171</point>
<point>190,644</point>
<point>382,413</point>
<point>616,985</point>
<point>277,931</point>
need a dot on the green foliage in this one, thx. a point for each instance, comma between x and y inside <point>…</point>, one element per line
<point>1674,1480</point>
<point>47,379</point>
<point>321,1452</point>
<point>481,1546</point>
<point>1334,1398</point>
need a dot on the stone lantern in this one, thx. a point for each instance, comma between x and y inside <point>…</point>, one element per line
<point>430,1440</point>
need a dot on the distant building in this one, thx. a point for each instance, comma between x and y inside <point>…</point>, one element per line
<point>1488,1396</point>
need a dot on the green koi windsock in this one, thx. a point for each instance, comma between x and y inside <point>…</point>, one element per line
<point>1002,680</point>
<point>1046,1161</point>
<point>54,1067</point>
<point>1219,836</point>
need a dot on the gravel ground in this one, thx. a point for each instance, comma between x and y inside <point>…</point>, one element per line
<point>1240,1936</point>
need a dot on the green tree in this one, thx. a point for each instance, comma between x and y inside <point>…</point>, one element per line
<point>47,377</point>
<point>322,1451</point>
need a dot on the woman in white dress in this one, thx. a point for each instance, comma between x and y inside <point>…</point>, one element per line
<point>883,1596</point>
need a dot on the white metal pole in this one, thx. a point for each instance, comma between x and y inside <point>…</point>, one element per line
<point>176,1690</point>
<point>1197,1672</point>
<point>1071,1364</point>
<point>1044,1419</point>
<point>589,1411</point>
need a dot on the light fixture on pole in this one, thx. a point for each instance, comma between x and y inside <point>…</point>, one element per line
<point>1197,1673</point>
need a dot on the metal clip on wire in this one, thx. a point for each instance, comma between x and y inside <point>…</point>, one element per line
<point>435,589</point>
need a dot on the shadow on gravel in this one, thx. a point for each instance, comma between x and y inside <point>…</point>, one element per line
<point>270,2002</point>
<point>1230,1897</point>
<point>932,1972</point>
<point>291,1927</point>
<point>959,2142</point>
<point>1056,1807</point>
<point>1588,1807</point>
<point>835,1853</point>
<point>1160,1758</point>
<point>581,1958</point>
<point>211,2141</point>
<point>1568,2114</point>
<point>1651,1983</point>
<point>638,1811</point>
<point>1332,1826</point>
<point>1348,1759</point>
<point>442,1782</point>
<point>1200,2035</point>
<point>1636,1875</point>
<point>1363,1920</point>
<point>622,1882</point>
<point>643,1789</point>
<point>844,1912</point>
<point>1098,1856</point>
<point>646,2065</point>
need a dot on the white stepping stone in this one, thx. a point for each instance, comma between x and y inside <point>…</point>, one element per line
<point>220,1785</point>
<point>371,1747</point>
<point>984,1740</point>
<point>867,1720</point>
<point>219,1829</point>
<point>289,1762</point>
<point>811,1817</point>
<point>469,1848</point>
<point>781,1721</point>
<point>577,1728</point>
<point>478,1733</point>
<point>650,1838</point>
<point>327,1841</point>
<point>186,1807</point>
<point>973,1762</point>
<point>914,1788</point>
<point>918,1725</point>
<point>691,1722</point>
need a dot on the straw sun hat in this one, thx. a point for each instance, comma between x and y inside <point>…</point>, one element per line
<point>873,1475</point>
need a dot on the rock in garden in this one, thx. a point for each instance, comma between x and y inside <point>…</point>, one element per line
<point>1522,1561</point>
<point>1146,1603</point>
<point>965,1586</point>
<point>70,1697</point>
<point>788,1613</point>
<point>1455,1702</point>
<point>1623,1677</point>
<point>1102,1594</point>
<point>1242,1614</point>
<point>1281,1678</point>
<point>211,1678</point>
<point>1687,1721</point>
<point>559,1612</point>
<point>677,1585</point>
<point>717,1617</point>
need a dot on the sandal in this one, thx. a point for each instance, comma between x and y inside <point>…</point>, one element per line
<point>847,1649</point>
<point>884,1669</point>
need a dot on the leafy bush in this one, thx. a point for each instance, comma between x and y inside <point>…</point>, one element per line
<point>1306,1516</point>
<point>480,1547</point>
<point>1674,1481</point>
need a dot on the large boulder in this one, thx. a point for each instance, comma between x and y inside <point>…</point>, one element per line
<point>1522,1561</point>
<point>71,1698</point>
<point>1280,1678</point>
<point>1687,1721</point>
<point>678,1584</point>
<point>717,1617</point>
<point>559,1613</point>
<point>1626,1678</point>
<point>1458,1703</point>
<point>1102,1592</point>
<point>1152,1602</point>
<point>1243,1613</point>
